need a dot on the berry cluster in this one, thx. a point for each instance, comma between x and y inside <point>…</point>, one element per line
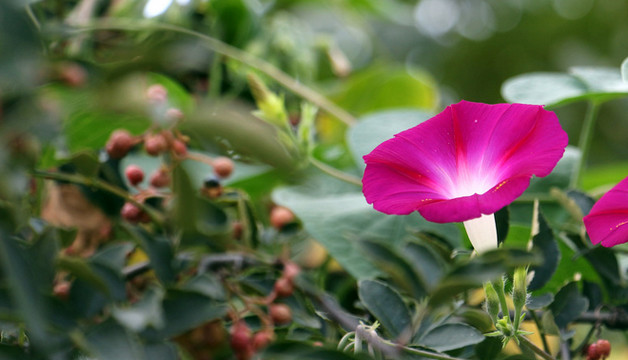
<point>244,342</point>
<point>599,350</point>
<point>158,142</point>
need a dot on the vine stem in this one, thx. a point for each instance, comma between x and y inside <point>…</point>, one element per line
<point>329,170</point>
<point>231,52</point>
<point>535,348</point>
<point>584,143</point>
<point>96,183</point>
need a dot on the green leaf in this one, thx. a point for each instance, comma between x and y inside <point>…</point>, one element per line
<point>545,244</point>
<point>451,336</point>
<point>146,312</point>
<point>384,87</point>
<point>489,349</point>
<point>373,129</point>
<point>397,267</point>
<point>160,252</point>
<point>80,268</point>
<point>568,305</point>
<point>386,305</point>
<point>184,310</point>
<point>537,302</point>
<point>25,291</point>
<point>110,341</point>
<point>426,263</point>
<point>554,89</point>
<point>89,130</point>
<point>338,219</point>
<point>161,351</point>
<point>475,272</point>
<point>208,285</point>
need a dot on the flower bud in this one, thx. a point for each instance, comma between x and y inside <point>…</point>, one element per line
<point>519,289</point>
<point>492,301</point>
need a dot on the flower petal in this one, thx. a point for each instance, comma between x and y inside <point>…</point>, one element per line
<point>607,222</point>
<point>469,160</point>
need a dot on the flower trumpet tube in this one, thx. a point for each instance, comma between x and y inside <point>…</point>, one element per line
<point>464,164</point>
<point>607,222</point>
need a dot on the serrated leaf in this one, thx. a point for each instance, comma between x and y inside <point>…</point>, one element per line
<point>385,303</point>
<point>451,336</point>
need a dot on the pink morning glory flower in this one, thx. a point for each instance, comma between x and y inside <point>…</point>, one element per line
<point>464,164</point>
<point>607,222</point>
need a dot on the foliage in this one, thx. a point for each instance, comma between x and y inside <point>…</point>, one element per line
<point>244,233</point>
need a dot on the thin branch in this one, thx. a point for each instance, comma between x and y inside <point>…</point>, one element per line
<point>231,52</point>
<point>535,348</point>
<point>329,170</point>
<point>99,184</point>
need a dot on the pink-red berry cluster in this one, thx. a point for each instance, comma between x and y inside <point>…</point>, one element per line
<point>599,350</point>
<point>243,342</point>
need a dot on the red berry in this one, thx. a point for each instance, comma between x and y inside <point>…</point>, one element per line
<point>240,336</point>
<point>131,213</point>
<point>157,93</point>
<point>62,290</point>
<point>174,113</point>
<point>603,348</point>
<point>593,353</point>
<point>134,174</point>
<point>283,287</point>
<point>119,143</point>
<point>280,216</point>
<point>290,270</point>
<point>262,339</point>
<point>280,313</point>
<point>160,178</point>
<point>73,74</point>
<point>155,144</point>
<point>223,166</point>
<point>179,148</point>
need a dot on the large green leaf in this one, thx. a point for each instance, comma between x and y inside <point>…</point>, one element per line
<point>386,305</point>
<point>338,220</point>
<point>384,87</point>
<point>375,128</point>
<point>451,336</point>
<point>146,312</point>
<point>553,89</point>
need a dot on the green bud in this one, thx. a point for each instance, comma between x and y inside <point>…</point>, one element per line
<point>305,133</point>
<point>492,301</point>
<point>271,107</point>
<point>519,289</point>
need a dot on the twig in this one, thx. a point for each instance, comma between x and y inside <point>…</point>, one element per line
<point>535,348</point>
<point>99,184</point>
<point>329,170</point>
